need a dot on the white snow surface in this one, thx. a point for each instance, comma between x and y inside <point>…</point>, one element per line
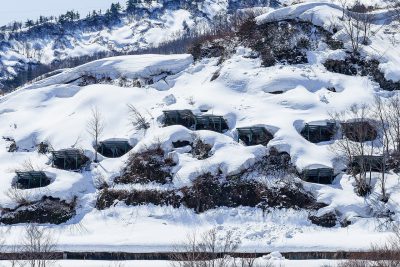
<point>57,110</point>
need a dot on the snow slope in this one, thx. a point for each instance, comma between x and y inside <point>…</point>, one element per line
<point>57,110</point>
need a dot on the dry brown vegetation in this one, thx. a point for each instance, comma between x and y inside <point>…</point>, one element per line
<point>150,165</point>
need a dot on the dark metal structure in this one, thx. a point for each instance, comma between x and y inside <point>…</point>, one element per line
<point>320,175</point>
<point>31,179</point>
<point>319,133</point>
<point>114,148</point>
<point>254,136</point>
<point>359,131</point>
<point>179,117</point>
<point>189,120</point>
<point>69,159</point>
<point>211,122</point>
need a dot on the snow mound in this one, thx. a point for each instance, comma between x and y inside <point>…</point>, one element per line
<point>129,67</point>
<point>318,13</point>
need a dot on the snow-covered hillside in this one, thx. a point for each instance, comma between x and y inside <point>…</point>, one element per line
<point>281,98</point>
<point>148,26</point>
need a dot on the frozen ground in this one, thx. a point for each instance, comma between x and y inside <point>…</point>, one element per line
<point>57,110</point>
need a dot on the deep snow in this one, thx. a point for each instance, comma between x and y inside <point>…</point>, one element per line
<point>57,110</point>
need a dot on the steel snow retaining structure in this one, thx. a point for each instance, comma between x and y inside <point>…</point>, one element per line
<point>318,133</point>
<point>31,179</point>
<point>114,148</point>
<point>254,135</point>
<point>69,159</point>
<point>187,119</point>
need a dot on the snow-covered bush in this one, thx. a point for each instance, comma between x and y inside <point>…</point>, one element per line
<point>357,65</point>
<point>108,197</point>
<point>44,147</point>
<point>138,121</point>
<point>150,165</point>
<point>47,210</point>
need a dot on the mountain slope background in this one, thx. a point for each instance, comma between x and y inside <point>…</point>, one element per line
<point>34,50</point>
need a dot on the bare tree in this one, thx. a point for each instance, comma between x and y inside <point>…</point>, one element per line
<point>382,114</point>
<point>366,22</point>
<point>2,240</point>
<point>353,29</point>
<point>354,144</point>
<point>39,246</point>
<point>95,128</point>
<point>343,5</point>
<point>387,114</point>
<point>393,116</point>
<point>139,122</point>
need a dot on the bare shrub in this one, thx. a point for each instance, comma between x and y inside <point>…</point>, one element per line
<point>116,264</point>
<point>201,150</point>
<point>95,128</point>
<point>250,262</point>
<point>191,101</point>
<point>206,250</point>
<point>11,144</point>
<point>138,121</point>
<point>99,181</point>
<point>44,147</point>
<point>28,166</point>
<point>21,197</point>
